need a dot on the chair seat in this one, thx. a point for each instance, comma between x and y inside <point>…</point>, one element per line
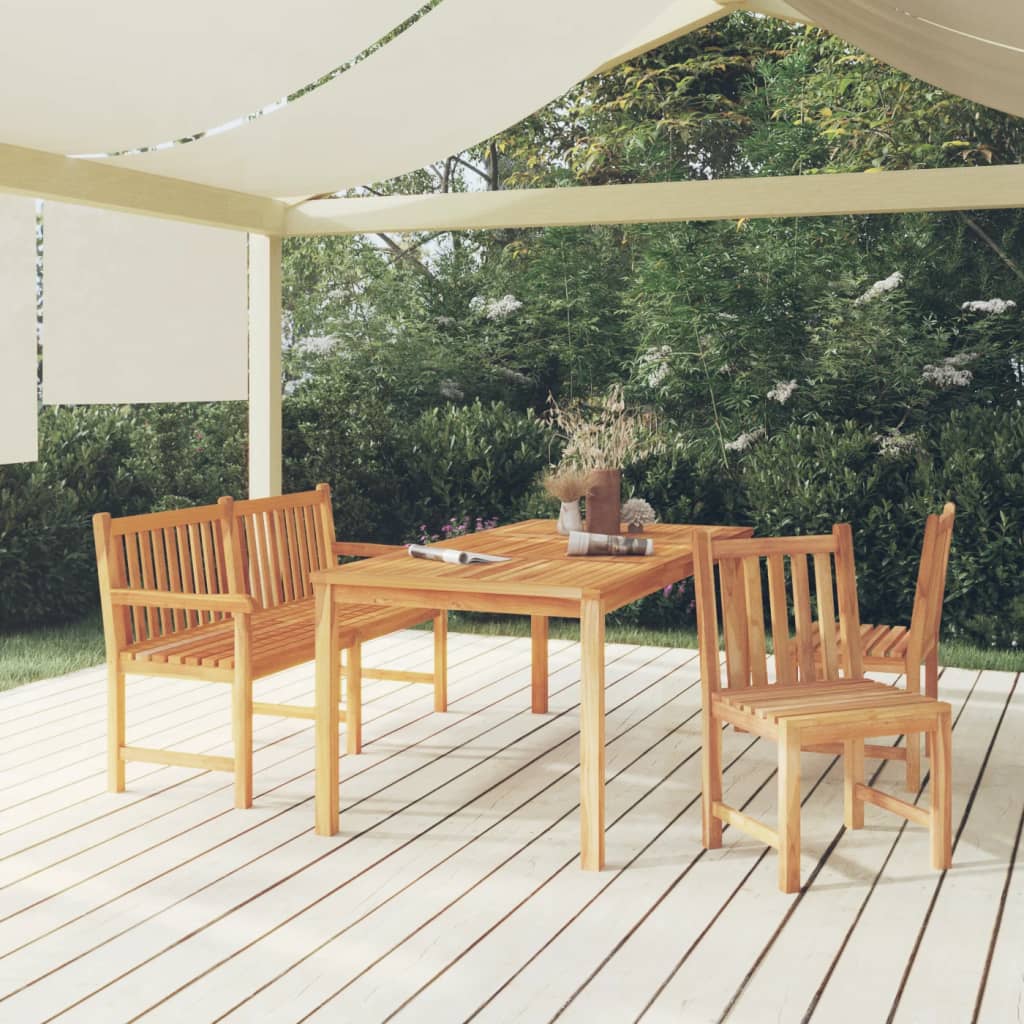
<point>764,707</point>
<point>281,637</point>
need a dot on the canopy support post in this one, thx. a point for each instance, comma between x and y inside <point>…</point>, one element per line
<point>264,366</point>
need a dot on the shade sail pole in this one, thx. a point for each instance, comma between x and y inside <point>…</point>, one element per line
<point>264,366</point>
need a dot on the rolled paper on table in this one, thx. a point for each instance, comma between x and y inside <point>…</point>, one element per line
<point>608,544</point>
<point>451,555</point>
<point>439,554</point>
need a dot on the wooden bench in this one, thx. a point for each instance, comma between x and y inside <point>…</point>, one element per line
<point>222,593</point>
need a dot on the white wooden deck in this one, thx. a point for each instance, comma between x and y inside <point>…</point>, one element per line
<point>453,891</point>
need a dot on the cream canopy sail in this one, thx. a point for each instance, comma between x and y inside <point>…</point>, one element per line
<point>471,68</point>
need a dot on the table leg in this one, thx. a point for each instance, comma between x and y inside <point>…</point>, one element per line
<point>591,735</point>
<point>539,663</point>
<point>328,694</point>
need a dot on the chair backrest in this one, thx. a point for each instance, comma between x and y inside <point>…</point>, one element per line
<point>931,583</point>
<point>745,569</point>
<point>281,540</point>
<point>185,551</point>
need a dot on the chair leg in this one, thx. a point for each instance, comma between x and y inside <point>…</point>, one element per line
<point>931,689</point>
<point>115,728</point>
<point>441,661</point>
<point>942,793</point>
<point>931,675</point>
<point>241,711</point>
<point>711,780</point>
<point>912,782</point>
<point>354,700</point>
<point>789,809</point>
<point>853,775</point>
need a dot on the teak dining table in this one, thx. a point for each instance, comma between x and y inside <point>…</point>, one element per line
<point>538,580</point>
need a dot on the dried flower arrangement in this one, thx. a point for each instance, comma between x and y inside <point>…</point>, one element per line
<point>637,513</point>
<point>566,483</point>
<point>600,433</point>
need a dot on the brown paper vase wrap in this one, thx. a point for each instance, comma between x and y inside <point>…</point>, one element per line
<point>604,500</point>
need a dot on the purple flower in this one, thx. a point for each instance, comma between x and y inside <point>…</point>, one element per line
<point>667,592</point>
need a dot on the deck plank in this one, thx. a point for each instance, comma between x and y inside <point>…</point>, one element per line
<point>882,937</point>
<point>453,891</point>
<point>290,782</point>
<point>484,754</point>
<point>968,901</point>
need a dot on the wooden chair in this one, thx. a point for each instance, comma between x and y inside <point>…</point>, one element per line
<point>907,650</point>
<point>221,593</point>
<point>789,705</point>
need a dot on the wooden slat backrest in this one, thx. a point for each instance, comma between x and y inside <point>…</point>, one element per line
<point>280,541</point>
<point>745,570</point>
<point>184,551</point>
<point>931,583</point>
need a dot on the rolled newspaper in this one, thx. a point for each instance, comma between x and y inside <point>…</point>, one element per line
<point>451,555</point>
<point>607,544</point>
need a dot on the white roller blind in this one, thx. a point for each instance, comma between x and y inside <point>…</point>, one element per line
<point>141,310</point>
<point>18,362</point>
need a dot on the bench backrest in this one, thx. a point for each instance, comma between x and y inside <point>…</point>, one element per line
<point>264,548</point>
<point>280,541</point>
<point>185,551</point>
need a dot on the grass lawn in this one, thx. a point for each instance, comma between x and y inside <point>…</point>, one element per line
<point>50,651</point>
<point>56,650</point>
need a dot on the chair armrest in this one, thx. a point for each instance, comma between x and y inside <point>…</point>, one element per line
<point>196,602</point>
<point>359,550</point>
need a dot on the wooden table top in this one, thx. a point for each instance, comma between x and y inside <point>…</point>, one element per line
<point>539,578</point>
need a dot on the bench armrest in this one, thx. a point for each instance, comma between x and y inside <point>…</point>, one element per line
<point>359,550</point>
<point>197,602</point>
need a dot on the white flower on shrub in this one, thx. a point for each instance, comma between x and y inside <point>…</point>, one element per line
<point>887,284</point>
<point>745,440</point>
<point>894,445</point>
<point>450,390</point>
<point>948,374</point>
<point>655,365</point>
<point>291,386</point>
<point>783,391</point>
<point>317,344</point>
<point>495,309</point>
<point>989,306</point>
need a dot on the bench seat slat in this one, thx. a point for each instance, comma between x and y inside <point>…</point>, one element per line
<point>281,636</point>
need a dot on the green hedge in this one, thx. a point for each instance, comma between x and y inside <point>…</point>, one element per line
<point>391,477</point>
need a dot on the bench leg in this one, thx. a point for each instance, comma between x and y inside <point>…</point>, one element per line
<point>711,780</point>
<point>241,711</point>
<point>115,727</point>
<point>354,699</point>
<point>789,809</point>
<point>853,774</point>
<point>441,661</point>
